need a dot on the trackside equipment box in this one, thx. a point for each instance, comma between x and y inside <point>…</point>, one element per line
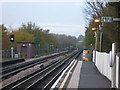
<point>26,49</point>
<point>85,55</point>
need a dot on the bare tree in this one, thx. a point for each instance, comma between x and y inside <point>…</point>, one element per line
<point>94,8</point>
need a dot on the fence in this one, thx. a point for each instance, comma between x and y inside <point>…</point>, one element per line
<point>7,53</point>
<point>103,63</point>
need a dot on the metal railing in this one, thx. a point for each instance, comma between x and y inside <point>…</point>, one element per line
<point>7,53</point>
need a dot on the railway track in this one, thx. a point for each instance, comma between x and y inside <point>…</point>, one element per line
<point>7,63</point>
<point>14,69</point>
<point>41,77</point>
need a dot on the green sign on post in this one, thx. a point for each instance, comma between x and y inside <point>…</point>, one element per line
<point>107,19</point>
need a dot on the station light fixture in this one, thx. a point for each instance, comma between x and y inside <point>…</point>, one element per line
<point>97,20</point>
<point>93,29</point>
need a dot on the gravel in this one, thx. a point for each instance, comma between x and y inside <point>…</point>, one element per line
<point>27,71</point>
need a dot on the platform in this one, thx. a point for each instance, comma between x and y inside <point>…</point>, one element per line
<point>82,74</point>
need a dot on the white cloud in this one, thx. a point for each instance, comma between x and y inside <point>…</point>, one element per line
<point>71,29</point>
<point>42,0</point>
<point>60,25</point>
<point>55,0</point>
<point>0,13</point>
<point>68,29</point>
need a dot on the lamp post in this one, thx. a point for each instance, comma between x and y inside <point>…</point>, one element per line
<point>96,37</point>
<point>101,36</point>
<point>97,20</point>
<point>96,40</point>
<point>101,32</point>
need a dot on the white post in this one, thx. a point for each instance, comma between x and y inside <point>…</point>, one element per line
<point>113,77</point>
<point>12,52</point>
<point>101,40</point>
<point>117,71</point>
<point>96,36</point>
<point>94,56</point>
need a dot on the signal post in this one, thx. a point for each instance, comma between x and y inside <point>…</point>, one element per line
<point>12,49</point>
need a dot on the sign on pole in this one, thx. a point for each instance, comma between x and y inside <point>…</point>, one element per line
<point>116,19</point>
<point>107,19</point>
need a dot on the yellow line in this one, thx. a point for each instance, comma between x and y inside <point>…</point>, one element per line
<point>65,79</point>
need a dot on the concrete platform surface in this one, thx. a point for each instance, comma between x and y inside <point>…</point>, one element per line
<point>74,80</point>
<point>90,77</point>
<point>82,75</point>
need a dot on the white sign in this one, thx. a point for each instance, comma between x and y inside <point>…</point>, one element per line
<point>16,56</point>
<point>116,19</point>
<point>23,45</point>
<point>29,44</point>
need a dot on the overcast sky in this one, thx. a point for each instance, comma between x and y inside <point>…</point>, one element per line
<point>60,17</point>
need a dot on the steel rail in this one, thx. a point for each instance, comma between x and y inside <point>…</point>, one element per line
<point>41,82</point>
<point>17,68</point>
<point>51,82</point>
<point>26,77</point>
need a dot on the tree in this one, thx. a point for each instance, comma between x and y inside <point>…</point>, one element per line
<point>89,39</point>
<point>116,5</point>
<point>5,38</point>
<point>66,41</point>
<point>80,38</point>
<point>109,29</point>
<point>42,37</point>
<point>22,35</point>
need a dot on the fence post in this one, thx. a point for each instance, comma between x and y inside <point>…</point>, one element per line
<point>113,79</point>
<point>118,70</point>
<point>12,54</point>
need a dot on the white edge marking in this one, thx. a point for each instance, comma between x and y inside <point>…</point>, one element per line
<point>54,85</point>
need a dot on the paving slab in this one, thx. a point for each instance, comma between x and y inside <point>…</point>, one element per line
<point>90,77</point>
<point>74,81</point>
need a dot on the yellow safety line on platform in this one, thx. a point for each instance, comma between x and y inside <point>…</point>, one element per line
<point>65,79</point>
